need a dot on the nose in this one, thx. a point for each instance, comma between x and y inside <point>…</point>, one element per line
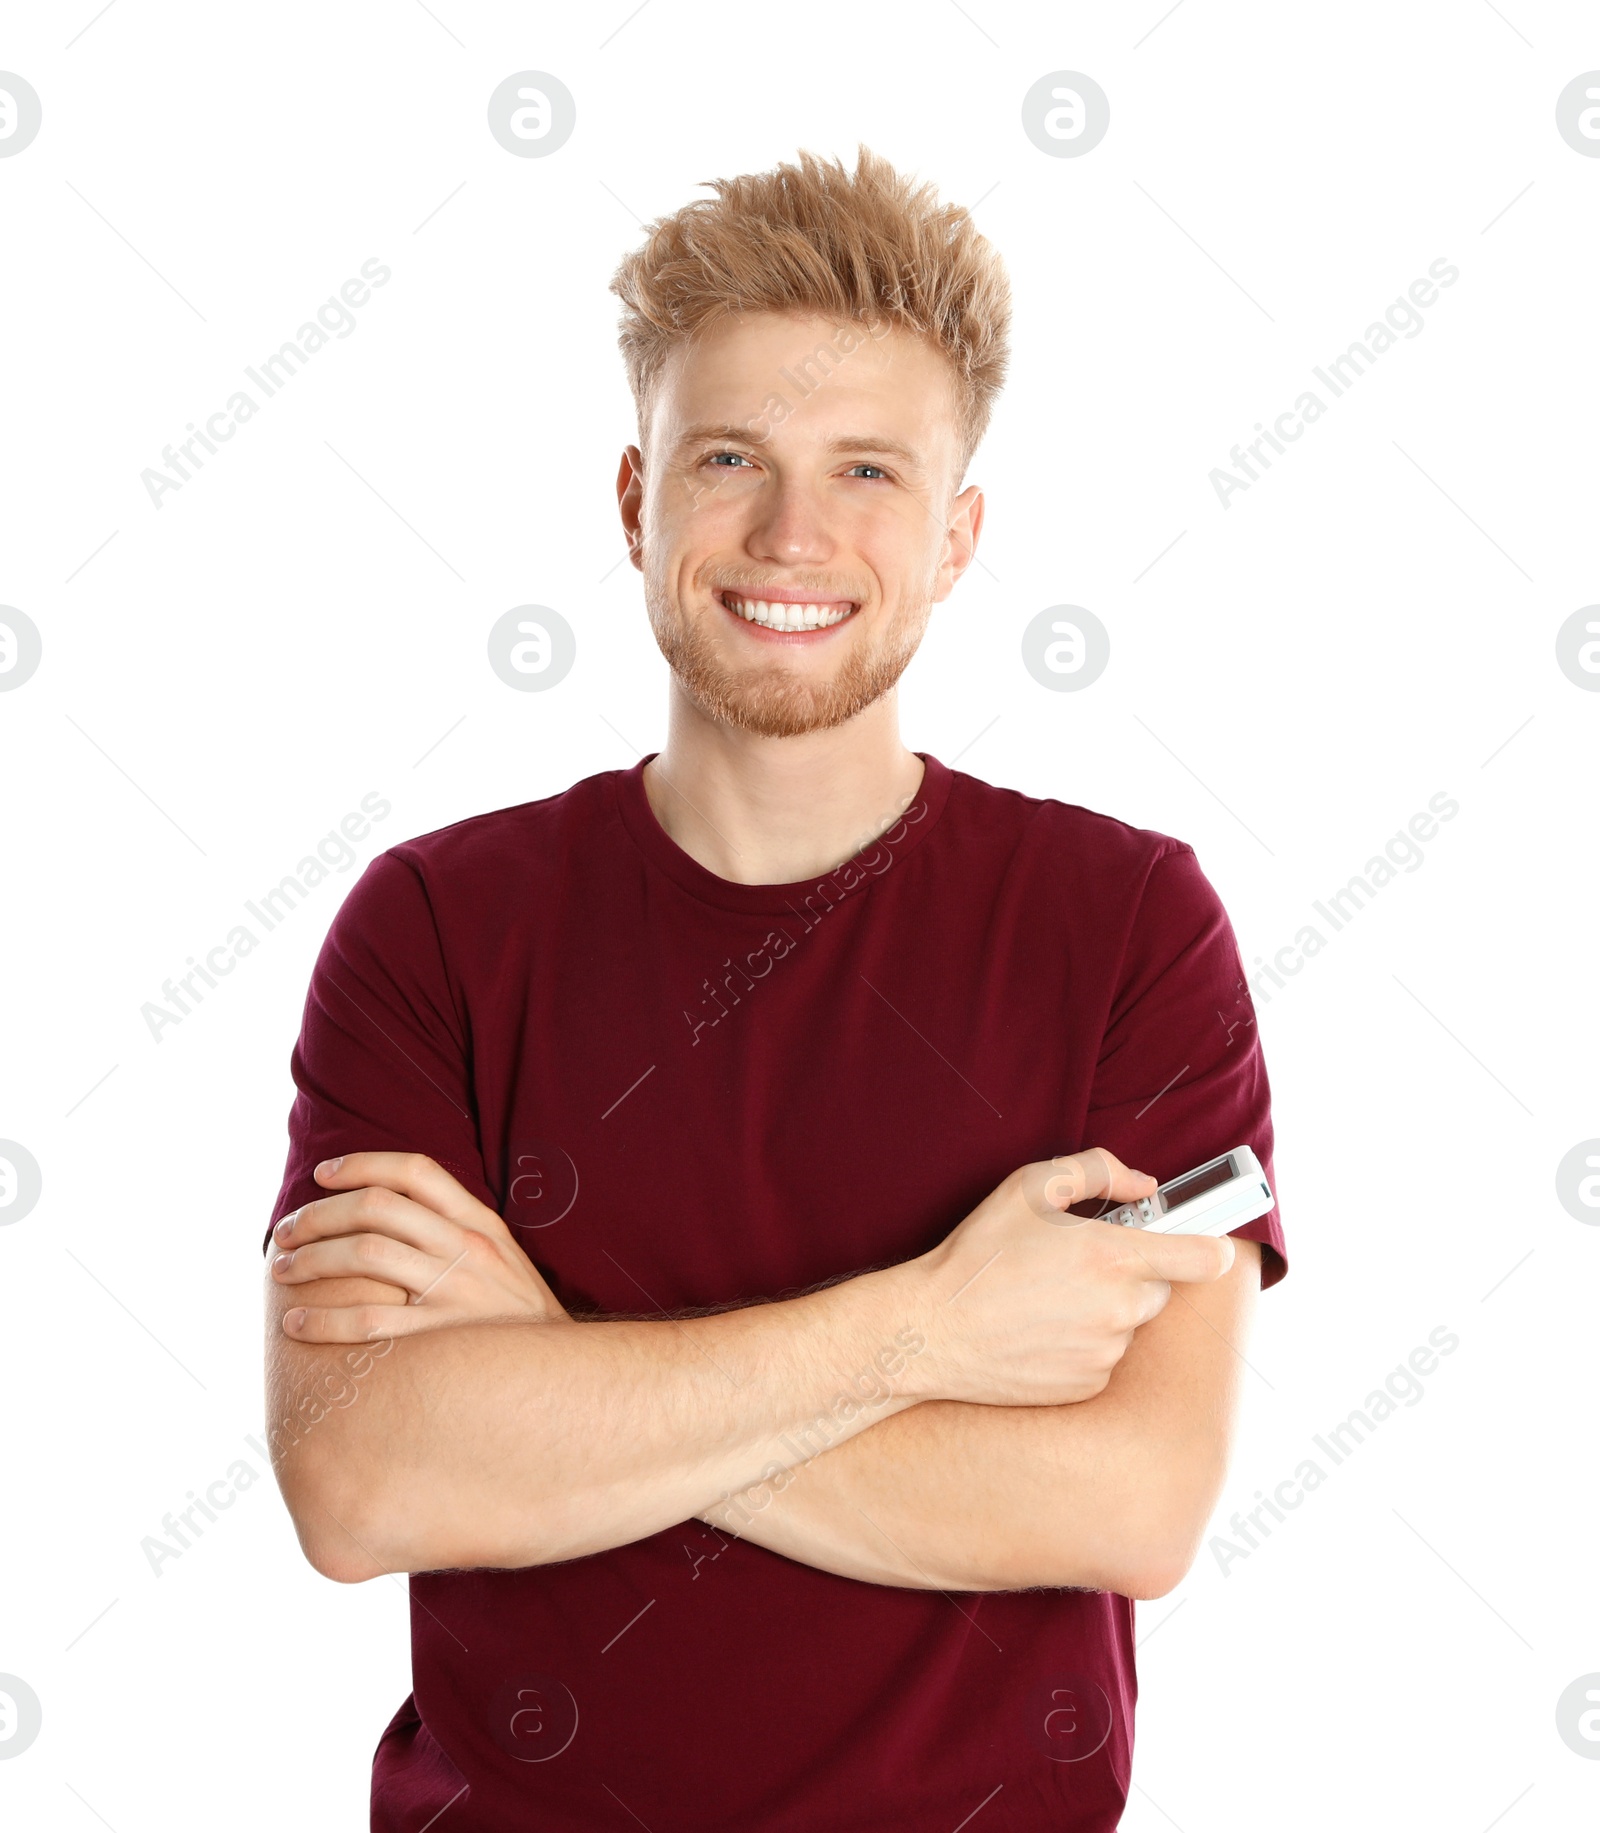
<point>790,527</point>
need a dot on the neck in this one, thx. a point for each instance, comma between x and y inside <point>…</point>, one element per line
<point>771,811</point>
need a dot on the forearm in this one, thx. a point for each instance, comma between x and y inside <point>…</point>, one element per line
<point>952,1497</point>
<point>514,1444</point>
<point>1109,1493</point>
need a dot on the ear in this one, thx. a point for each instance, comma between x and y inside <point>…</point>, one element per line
<point>964,525</point>
<point>630,498</point>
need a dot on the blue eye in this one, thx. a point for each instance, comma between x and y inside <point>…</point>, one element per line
<point>867,467</point>
<point>712,459</point>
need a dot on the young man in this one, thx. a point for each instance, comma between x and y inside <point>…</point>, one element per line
<point>707,1308</point>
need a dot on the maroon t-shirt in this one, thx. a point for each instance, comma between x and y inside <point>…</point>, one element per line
<point>680,1091</point>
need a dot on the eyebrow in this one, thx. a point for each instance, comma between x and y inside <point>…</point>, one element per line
<point>877,444</point>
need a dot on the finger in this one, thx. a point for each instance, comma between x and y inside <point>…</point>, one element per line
<point>356,1323</point>
<point>359,1257</point>
<point>371,1210</point>
<point>1094,1172</point>
<point>1153,1296</point>
<point>414,1175</point>
<point>1186,1259</point>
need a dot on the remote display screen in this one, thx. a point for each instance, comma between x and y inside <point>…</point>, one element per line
<point>1205,1179</point>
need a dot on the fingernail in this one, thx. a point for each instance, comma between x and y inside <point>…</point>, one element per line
<point>292,1320</point>
<point>281,1262</point>
<point>281,1229</point>
<point>329,1166</point>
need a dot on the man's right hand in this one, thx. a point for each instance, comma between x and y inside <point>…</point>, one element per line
<point>1023,1304</point>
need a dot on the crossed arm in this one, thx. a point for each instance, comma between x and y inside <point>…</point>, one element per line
<point>1110,1492</point>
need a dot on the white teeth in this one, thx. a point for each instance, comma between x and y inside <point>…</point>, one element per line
<point>787,617</point>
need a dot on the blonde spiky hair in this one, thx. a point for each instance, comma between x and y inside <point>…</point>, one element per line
<point>815,239</point>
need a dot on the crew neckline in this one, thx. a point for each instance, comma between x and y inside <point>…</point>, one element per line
<point>658,846</point>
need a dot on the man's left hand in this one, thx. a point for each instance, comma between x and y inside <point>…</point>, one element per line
<point>402,1218</point>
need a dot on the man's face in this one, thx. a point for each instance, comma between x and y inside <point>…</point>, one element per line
<point>794,462</point>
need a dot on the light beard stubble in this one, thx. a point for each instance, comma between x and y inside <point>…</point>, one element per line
<point>767,700</point>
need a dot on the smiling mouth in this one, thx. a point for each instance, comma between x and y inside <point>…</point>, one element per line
<point>787,618</point>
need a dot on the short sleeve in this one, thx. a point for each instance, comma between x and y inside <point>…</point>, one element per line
<point>381,1063</point>
<point>1180,1076</point>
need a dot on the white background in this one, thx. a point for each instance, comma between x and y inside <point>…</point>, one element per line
<point>1374,621</point>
